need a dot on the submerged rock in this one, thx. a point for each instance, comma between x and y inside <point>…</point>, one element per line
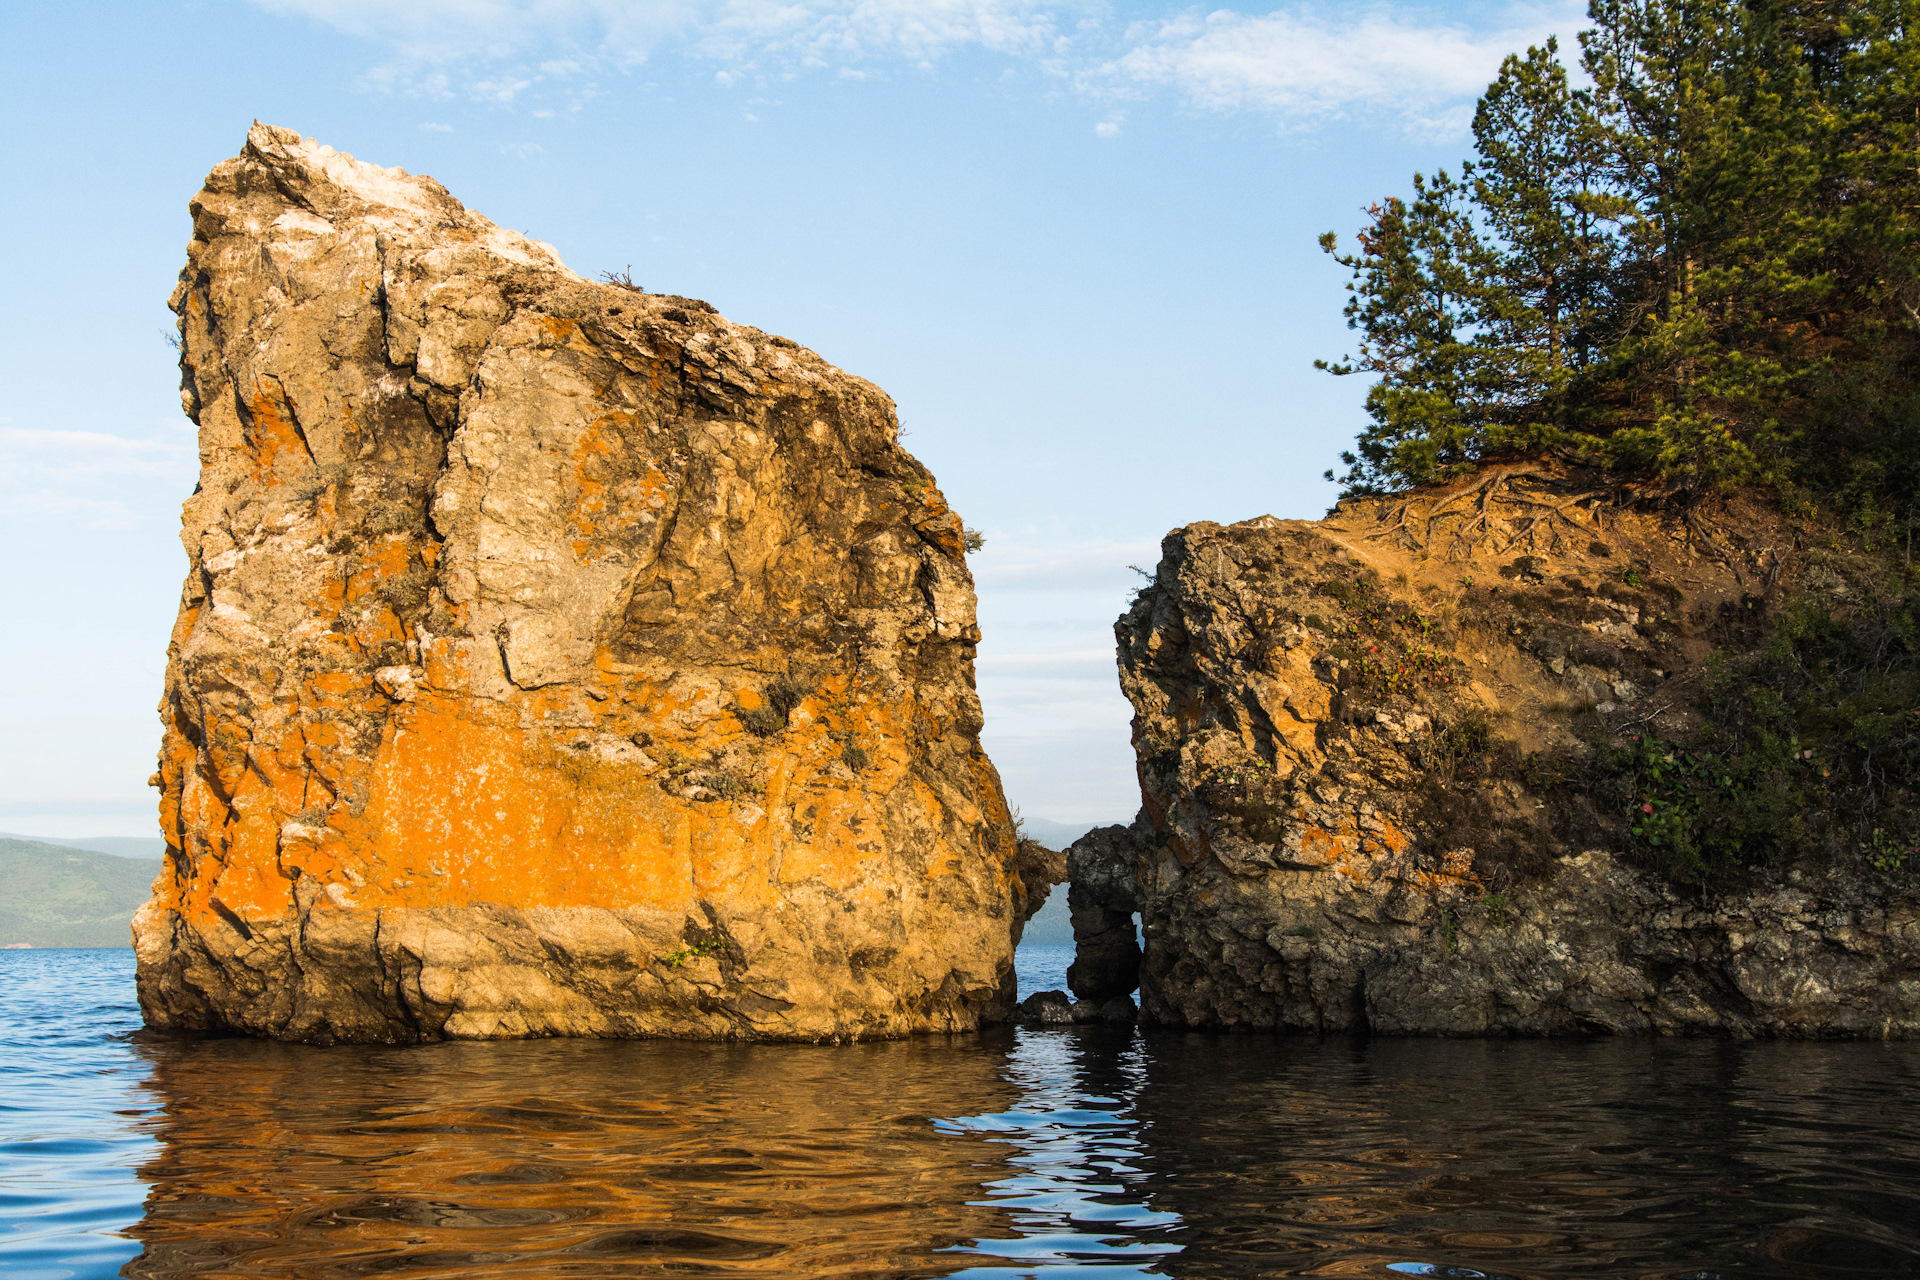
<point>555,658</point>
<point>1047,1008</point>
<point>1357,748</point>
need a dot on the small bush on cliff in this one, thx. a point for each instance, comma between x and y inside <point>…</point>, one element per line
<point>1810,746</point>
<point>787,692</point>
<point>622,279</point>
<point>781,695</point>
<point>317,480</point>
<point>678,958</point>
<point>762,721</point>
<point>1388,644</point>
<point>408,591</point>
<point>735,784</point>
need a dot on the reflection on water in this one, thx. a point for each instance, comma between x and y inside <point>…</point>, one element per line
<point>568,1158</point>
<point>1074,1186</point>
<point>1608,1157</point>
<point>1091,1151</point>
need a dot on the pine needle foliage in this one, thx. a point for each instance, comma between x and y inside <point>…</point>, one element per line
<point>1697,270</point>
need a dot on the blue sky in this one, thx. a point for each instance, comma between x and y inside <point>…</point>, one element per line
<point>1074,241</point>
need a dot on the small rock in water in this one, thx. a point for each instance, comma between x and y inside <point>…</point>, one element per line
<point>1049,1007</point>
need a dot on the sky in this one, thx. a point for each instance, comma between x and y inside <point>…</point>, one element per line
<point>1074,241</point>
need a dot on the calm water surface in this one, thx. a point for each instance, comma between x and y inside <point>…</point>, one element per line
<point>1086,1151</point>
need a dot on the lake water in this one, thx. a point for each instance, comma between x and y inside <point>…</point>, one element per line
<point>1088,1151</point>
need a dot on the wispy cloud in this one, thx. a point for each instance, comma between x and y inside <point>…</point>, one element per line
<point>89,477</point>
<point>1308,64</point>
<point>1015,563</point>
<point>1301,63</point>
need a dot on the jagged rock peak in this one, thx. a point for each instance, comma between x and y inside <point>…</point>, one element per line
<point>331,185</point>
<point>554,658</point>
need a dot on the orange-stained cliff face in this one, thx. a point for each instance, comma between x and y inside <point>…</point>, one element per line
<point>555,659</point>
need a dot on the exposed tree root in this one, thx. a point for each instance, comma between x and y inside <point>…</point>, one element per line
<point>1415,527</point>
<point>1531,507</point>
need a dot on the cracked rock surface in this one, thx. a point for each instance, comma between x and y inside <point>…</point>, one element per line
<point>1353,751</point>
<point>554,659</point>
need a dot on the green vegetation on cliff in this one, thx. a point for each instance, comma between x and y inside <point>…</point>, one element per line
<point>1809,746</point>
<point>1696,272</point>
<point>1699,269</point>
<point>58,896</point>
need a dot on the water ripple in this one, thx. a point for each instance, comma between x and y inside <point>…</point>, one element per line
<point>71,1126</point>
<point>1086,1150</point>
<point>1075,1201</point>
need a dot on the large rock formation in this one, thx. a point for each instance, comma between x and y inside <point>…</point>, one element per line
<point>1355,739</point>
<point>555,658</point>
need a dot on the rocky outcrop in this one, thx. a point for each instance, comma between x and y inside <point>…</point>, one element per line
<point>1355,739</point>
<point>1102,901</point>
<point>555,658</point>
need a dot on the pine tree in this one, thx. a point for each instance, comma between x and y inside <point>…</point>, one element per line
<point>1702,269</point>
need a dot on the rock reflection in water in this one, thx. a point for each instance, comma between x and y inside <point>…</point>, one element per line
<point>1092,1151</point>
<point>1529,1158</point>
<point>564,1158</point>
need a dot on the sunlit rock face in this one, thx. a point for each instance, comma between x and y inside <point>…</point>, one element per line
<point>1368,761</point>
<point>555,659</point>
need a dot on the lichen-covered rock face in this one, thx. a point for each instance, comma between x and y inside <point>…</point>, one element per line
<point>555,659</point>
<point>1325,843</point>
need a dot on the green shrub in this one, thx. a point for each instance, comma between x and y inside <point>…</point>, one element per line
<point>1810,748</point>
<point>1387,644</point>
<point>676,959</point>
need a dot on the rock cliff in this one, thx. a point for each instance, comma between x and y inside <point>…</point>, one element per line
<point>554,659</point>
<point>1361,744</point>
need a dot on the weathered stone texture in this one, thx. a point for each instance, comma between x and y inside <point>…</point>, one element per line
<point>555,659</point>
<point>1311,855</point>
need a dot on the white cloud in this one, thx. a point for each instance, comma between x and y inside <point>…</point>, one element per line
<point>90,478</point>
<point>429,126</point>
<point>28,451</point>
<point>1302,62</point>
<point>1305,63</point>
<point>431,31</point>
<point>503,89</point>
<point>594,34</point>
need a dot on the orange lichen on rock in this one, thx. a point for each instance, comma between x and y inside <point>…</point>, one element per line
<point>555,659</point>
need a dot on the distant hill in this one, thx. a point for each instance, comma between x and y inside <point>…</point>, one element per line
<point>57,895</point>
<point>118,846</point>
